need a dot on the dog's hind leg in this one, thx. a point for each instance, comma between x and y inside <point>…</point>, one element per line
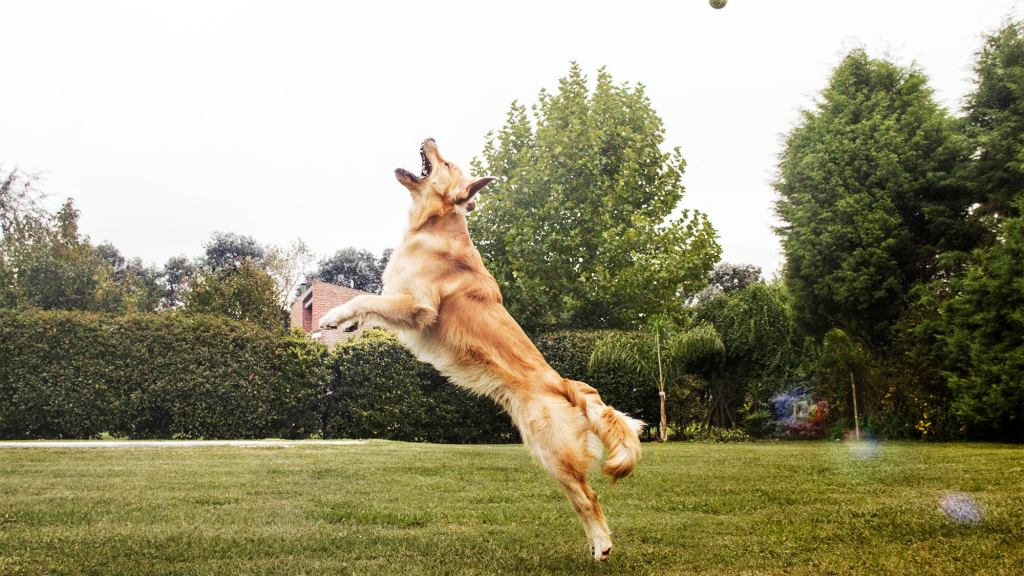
<point>567,455</point>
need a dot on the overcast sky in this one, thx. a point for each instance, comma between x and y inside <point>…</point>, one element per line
<point>167,121</point>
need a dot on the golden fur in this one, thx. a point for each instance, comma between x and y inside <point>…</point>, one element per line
<point>447,308</point>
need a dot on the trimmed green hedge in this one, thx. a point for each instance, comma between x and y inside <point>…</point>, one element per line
<point>171,375</point>
<point>379,390</point>
<point>78,375</point>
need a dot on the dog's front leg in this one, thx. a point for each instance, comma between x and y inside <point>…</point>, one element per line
<point>394,311</point>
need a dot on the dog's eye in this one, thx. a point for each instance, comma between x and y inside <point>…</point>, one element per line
<point>447,165</point>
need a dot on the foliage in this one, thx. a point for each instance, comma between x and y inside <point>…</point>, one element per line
<point>288,267</point>
<point>243,292</point>
<point>228,250</point>
<point>175,279</point>
<point>762,349</point>
<point>869,198</point>
<point>995,121</point>
<point>353,268</point>
<point>576,229</point>
<point>985,337</point>
<point>569,352</point>
<point>660,354</point>
<point>727,278</point>
<point>71,374</point>
<point>46,263</point>
<point>695,432</point>
<point>379,390</point>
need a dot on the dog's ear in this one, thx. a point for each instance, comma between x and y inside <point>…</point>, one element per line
<point>475,186</point>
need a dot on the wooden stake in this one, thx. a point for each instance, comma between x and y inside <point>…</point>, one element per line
<point>856,418</point>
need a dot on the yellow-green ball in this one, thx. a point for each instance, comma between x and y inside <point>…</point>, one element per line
<point>717,4</point>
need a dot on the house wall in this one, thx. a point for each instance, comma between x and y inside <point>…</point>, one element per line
<point>316,301</point>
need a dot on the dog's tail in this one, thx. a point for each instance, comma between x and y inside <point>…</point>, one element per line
<point>619,433</point>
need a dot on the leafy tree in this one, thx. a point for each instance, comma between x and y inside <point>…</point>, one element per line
<point>995,121</point>
<point>354,268</point>
<point>175,278</point>
<point>763,348</point>
<point>868,197</point>
<point>24,224</point>
<point>230,250</point>
<point>61,270</point>
<point>727,278</point>
<point>577,228</point>
<point>660,353</point>
<point>245,292</point>
<point>130,286</point>
<point>288,266</point>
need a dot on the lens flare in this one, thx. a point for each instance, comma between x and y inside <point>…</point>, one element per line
<point>798,415</point>
<point>864,449</point>
<point>960,508</point>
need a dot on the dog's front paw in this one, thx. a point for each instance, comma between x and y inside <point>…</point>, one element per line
<point>334,318</point>
<point>349,325</point>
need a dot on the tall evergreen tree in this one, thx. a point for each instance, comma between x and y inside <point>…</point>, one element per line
<point>577,228</point>
<point>995,121</point>
<point>868,197</point>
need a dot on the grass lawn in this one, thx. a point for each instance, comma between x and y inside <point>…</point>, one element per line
<point>394,508</point>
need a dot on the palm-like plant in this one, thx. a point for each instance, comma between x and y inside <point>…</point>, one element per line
<point>660,352</point>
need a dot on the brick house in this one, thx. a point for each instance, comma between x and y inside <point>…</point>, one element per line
<point>314,302</point>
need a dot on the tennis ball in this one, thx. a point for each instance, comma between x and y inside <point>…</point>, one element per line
<point>717,4</point>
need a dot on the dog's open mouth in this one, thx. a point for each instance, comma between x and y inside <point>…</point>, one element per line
<point>425,168</point>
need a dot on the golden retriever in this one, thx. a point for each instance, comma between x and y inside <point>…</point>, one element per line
<point>447,309</point>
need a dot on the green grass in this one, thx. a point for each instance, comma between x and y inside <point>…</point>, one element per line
<point>392,508</point>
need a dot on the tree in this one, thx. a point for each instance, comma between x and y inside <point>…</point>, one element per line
<point>61,270</point>
<point>727,278</point>
<point>47,263</point>
<point>354,268</point>
<point>229,250</point>
<point>660,353</point>
<point>175,278</point>
<point>245,292</point>
<point>869,198</point>
<point>577,228</point>
<point>131,286</point>
<point>762,349</point>
<point>24,224</point>
<point>288,267</point>
<point>984,336</point>
<point>995,121</point>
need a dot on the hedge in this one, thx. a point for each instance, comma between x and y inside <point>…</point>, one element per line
<point>379,390</point>
<point>172,375</point>
<point>70,374</point>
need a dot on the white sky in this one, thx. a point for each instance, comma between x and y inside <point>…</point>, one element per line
<point>167,121</point>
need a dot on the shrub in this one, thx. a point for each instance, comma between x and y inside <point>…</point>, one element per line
<point>70,374</point>
<point>697,433</point>
<point>379,390</point>
<point>569,352</point>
